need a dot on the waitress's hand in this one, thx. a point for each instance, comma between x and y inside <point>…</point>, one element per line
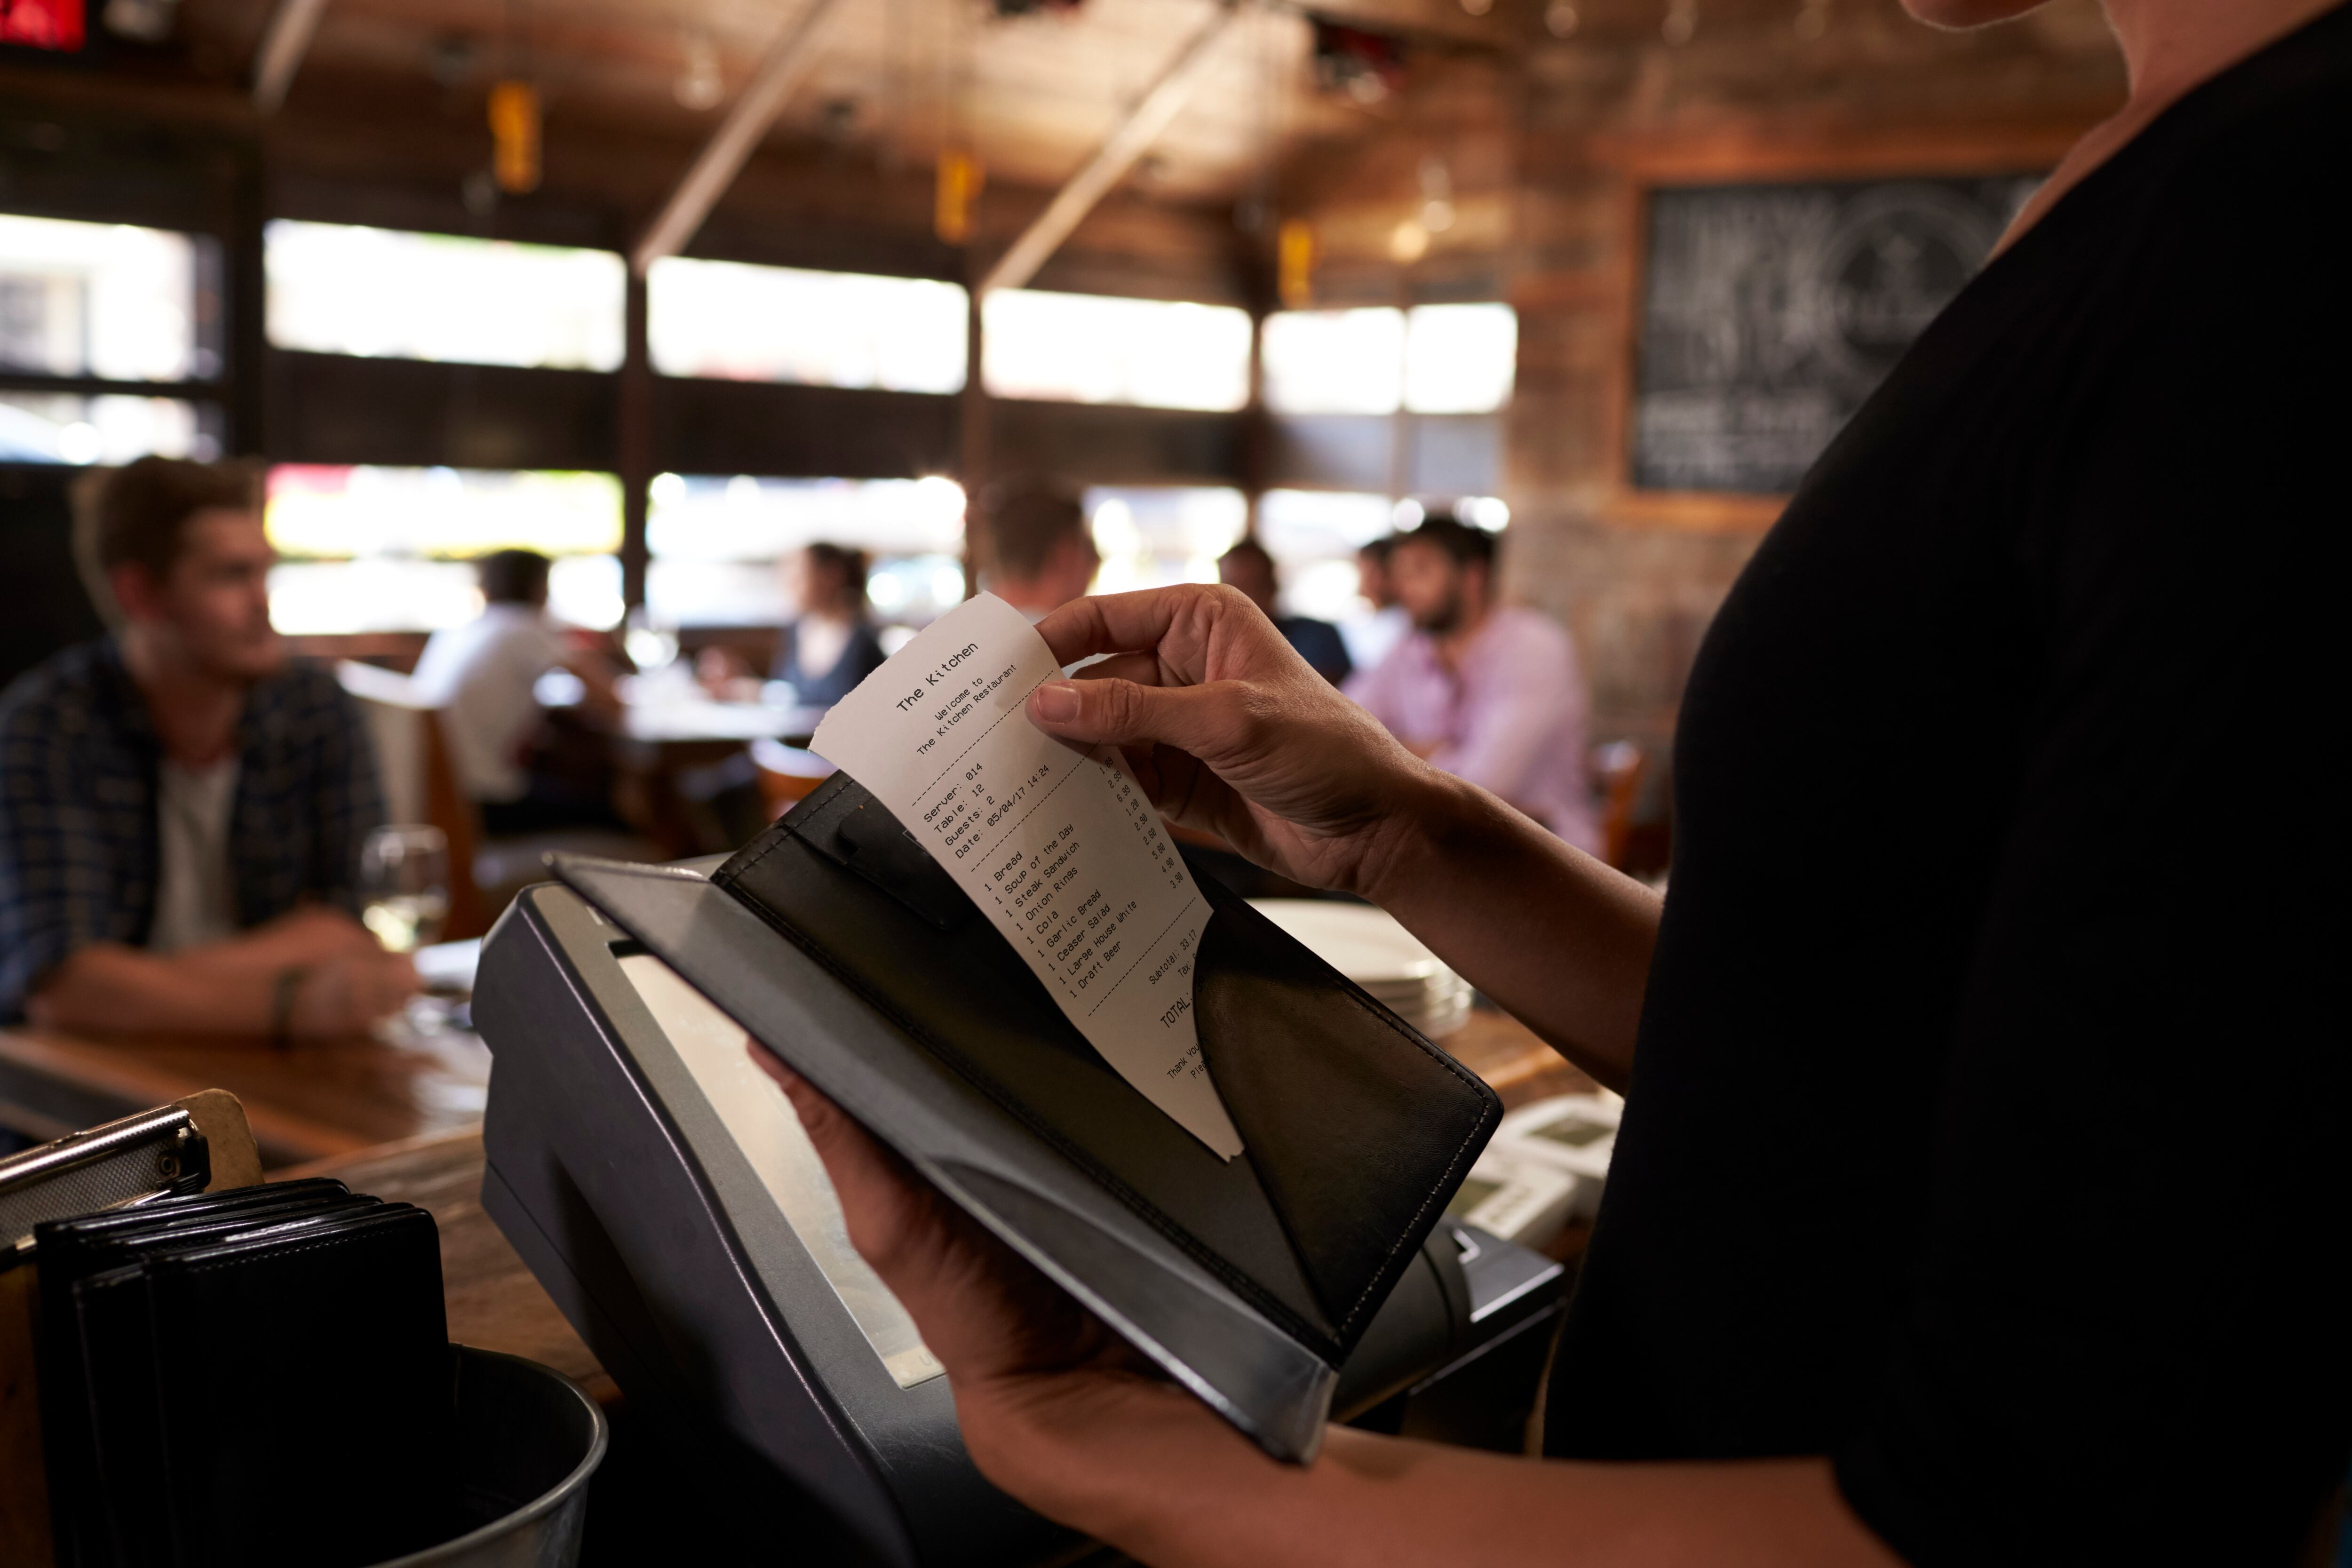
<point>1231,732</point>
<point>1037,1378</point>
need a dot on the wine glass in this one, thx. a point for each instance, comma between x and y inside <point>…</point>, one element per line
<point>405,885</point>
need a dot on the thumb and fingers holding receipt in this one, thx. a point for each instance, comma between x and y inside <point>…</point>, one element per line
<point>1229,728</point>
<point>1058,844</point>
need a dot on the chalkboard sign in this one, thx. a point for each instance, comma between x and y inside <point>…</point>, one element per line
<point>1769,312</point>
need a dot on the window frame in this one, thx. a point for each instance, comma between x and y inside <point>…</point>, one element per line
<point>212,395</point>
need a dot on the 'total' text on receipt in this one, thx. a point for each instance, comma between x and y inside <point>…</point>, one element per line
<point>1059,846</point>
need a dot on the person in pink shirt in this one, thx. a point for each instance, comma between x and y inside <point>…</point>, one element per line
<point>1489,692</point>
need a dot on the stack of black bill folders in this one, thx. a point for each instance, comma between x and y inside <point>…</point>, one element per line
<point>261,1376</point>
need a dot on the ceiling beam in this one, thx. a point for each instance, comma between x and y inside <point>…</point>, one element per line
<point>1442,24</point>
<point>747,119</point>
<point>283,44</point>
<point>1128,142</point>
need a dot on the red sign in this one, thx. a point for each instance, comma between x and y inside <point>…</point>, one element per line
<point>42,24</point>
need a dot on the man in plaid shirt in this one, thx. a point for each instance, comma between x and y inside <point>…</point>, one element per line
<point>182,805</point>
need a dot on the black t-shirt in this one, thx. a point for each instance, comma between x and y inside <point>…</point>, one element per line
<point>1990,1128</point>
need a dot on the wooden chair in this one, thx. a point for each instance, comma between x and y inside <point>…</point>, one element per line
<point>420,781</point>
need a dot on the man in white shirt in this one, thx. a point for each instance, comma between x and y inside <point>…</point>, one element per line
<point>483,676</point>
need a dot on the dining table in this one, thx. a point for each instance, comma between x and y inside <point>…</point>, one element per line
<point>677,747</point>
<point>671,719</point>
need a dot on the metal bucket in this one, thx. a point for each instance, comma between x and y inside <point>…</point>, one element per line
<point>527,1441</point>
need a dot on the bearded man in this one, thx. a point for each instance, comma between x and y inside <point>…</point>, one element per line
<point>1489,692</point>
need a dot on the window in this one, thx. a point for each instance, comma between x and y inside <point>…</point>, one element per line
<point>107,300</point>
<point>110,302</point>
<point>1151,537</point>
<point>387,293</point>
<point>1092,347</point>
<point>1432,359</point>
<point>1334,361</point>
<point>65,428</point>
<point>733,321</point>
<point>716,543</point>
<point>1313,536</point>
<point>1460,359</point>
<point>369,548</point>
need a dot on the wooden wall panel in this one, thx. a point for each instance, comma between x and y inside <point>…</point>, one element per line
<point>816,432</point>
<point>1331,451</point>
<point>1104,445</point>
<point>331,408</point>
<point>47,606</point>
<point>1454,454</point>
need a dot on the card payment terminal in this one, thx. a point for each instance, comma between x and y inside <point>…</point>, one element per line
<point>661,1189</point>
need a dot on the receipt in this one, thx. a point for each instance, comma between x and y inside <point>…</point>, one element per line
<point>1059,846</point>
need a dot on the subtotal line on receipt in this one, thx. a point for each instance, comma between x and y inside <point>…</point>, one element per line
<point>976,740</point>
<point>1147,952</point>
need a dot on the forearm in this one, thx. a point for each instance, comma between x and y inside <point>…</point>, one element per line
<point>311,934</point>
<point>107,988</point>
<point>1555,937</point>
<point>224,988</point>
<point>1156,1475</point>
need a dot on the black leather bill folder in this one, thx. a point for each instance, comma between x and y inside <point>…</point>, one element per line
<point>257,1377</point>
<point>836,940</point>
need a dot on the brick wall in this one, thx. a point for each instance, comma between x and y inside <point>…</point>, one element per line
<point>1548,154</point>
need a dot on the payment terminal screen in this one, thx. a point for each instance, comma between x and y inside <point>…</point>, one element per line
<point>763,1125</point>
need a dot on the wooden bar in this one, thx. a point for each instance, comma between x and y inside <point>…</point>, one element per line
<point>311,1103</point>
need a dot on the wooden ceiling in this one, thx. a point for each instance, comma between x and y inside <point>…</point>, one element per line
<point>390,100</point>
<point>1033,94</point>
<point>897,79</point>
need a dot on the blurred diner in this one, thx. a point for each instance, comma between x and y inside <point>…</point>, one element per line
<point>828,646</point>
<point>1488,691</point>
<point>181,804</point>
<point>1041,553</point>
<point>1370,637</point>
<point>1249,567</point>
<point>484,677</point>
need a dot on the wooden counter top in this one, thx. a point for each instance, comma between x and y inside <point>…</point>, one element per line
<point>312,1101</point>
<point>1509,1056</point>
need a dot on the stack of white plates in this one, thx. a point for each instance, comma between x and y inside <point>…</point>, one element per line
<point>1372,949</point>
